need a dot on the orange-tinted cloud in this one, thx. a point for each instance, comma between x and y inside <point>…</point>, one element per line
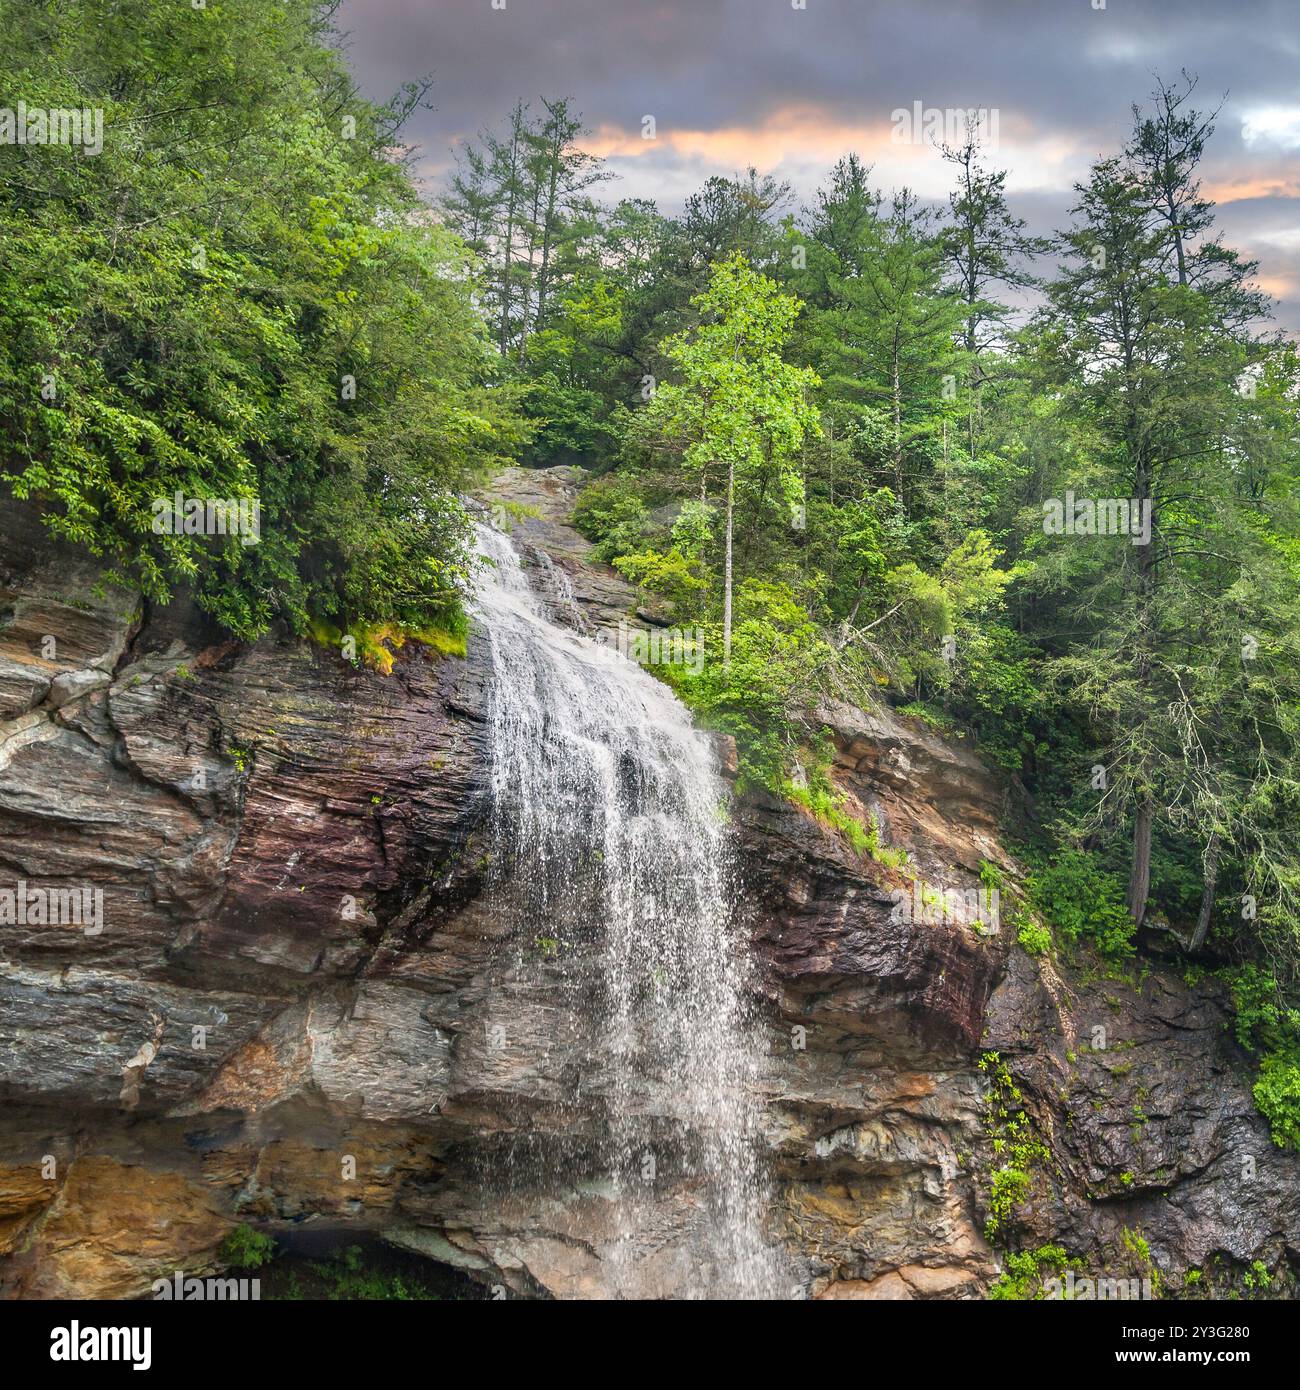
<point>1254,186</point>
<point>800,132</point>
<point>807,136</point>
<point>1279,286</point>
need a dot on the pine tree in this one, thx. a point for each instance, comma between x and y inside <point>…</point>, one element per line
<point>987,250</point>
<point>1152,366</point>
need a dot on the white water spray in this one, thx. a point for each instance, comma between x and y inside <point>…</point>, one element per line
<point>610,831</point>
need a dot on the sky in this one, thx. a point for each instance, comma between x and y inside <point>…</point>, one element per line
<point>733,83</point>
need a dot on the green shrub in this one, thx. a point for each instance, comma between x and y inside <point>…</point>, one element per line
<point>827,805</point>
<point>350,1279</point>
<point>669,575</point>
<point>1277,1094</point>
<point>936,719</point>
<point>1263,1022</point>
<point>1257,1276</point>
<point>1010,1187</point>
<point>611,514</point>
<point>776,651</point>
<point>245,1248</point>
<point>819,796</point>
<point>1033,936</point>
<point>1023,1274</point>
<point>1013,1140</point>
<point>1082,901</point>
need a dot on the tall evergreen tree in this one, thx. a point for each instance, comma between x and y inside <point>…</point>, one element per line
<point>1153,366</point>
<point>988,253</point>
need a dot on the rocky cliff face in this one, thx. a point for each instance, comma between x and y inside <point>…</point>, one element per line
<point>299,1009</point>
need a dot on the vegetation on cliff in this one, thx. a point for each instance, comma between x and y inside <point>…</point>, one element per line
<point>820,436</point>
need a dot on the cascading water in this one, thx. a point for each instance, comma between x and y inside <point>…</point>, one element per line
<point>612,852</point>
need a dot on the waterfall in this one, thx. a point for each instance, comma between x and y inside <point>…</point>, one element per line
<point>613,858</point>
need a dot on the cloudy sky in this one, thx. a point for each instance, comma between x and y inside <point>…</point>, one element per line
<point>737,82</point>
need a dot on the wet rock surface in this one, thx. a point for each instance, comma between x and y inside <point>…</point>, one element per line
<point>301,1007</point>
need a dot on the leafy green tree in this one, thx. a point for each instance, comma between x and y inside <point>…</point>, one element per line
<point>1165,151</point>
<point>733,217</point>
<point>240,297</point>
<point>738,407</point>
<point>882,327</point>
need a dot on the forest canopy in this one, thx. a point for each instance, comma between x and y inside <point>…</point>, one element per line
<point>240,297</point>
<point>1038,491</point>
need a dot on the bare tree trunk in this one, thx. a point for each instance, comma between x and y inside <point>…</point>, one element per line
<point>512,200</point>
<point>1207,893</point>
<point>528,277</point>
<point>1139,883</point>
<point>973,370</point>
<point>757,516</point>
<point>898,419</point>
<point>548,231</point>
<point>830,439</point>
<point>726,597</point>
<point>847,625</point>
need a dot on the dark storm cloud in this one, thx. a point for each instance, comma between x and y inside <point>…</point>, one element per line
<point>738,81</point>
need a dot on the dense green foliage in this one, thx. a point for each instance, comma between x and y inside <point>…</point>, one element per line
<point>1269,1028</point>
<point>347,1273</point>
<point>346,1276</point>
<point>1083,902</point>
<point>1014,1143</point>
<point>864,495</point>
<point>1024,1273</point>
<point>239,297</point>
